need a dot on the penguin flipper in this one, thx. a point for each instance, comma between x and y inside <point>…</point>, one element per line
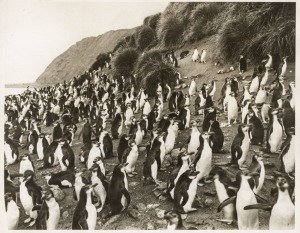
<point>226,202</point>
<point>185,197</point>
<point>74,194</point>
<point>127,196</point>
<point>258,206</point>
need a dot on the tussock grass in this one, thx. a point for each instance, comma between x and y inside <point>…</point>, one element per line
<point>144,37</point>
<point>125,61</point>
<point>151,69</point>
<point>152,20</point>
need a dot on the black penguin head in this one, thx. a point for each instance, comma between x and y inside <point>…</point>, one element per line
<point>173,218</point>
<point>192,174</point>
<point>98,160</point>
<point>244,128</point>
<point>25,157</point>
<point>282,183</point>
<point>62,141</point>
<point>217,172</point>
<point>247,175</point>
<point>8,197</point>
<point>291,131</point>
<point>41,135</point>
<point>28,174</point>
<point>194,123</point>
<point>94,167</point>
<point>47,195</point>
<point>206,135</point>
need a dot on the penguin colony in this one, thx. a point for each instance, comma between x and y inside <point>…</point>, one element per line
<point>43,127</point>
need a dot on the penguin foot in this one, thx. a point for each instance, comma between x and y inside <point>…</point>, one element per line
<point>227,221</point>
<point>27,220</point>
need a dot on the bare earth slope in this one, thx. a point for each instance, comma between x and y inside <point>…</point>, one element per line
<point>80,56</point>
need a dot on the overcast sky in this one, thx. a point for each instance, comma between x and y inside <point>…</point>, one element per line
<point>34,32</point>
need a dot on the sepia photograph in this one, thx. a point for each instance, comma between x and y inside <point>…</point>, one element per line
<point>148,115</point>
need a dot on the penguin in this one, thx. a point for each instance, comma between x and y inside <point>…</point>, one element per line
<point>170,138</point>
<point>257,165</point>
<point>274,132</point>
<point>257,129</point>
<point>117,126</point>
<point>169,92</point>
<point>261,96</point>
<point>9,187</point>
<point>12,212</point>
<point>139,134</point>
<point>269,63</point>
<point>50,158</point>
<point>218,137</point>
<point>30,196</point>
<point>174,220</point>
<point>203,159</point>
<point>80,181</point>
<point>101,189</point>
<point>211,89</point>
<point>264,112</point>
<point>283,211</point>
<point>86,131</point>
<point>93,153</point>
<point>63,179</point>
<point>123,146</point>
<point>185,191</point>
<point>161,150</point>
<point>147,107</point>
<point>85,214</point>
<point>242,64</point>
<point>144,124</point>
<point>282,68</point>
<point>119,197</point>
<point>106,145</point>
<point>240,146</point>
<point>292,94</point>
<point>130,158</point>
<point>246,219</point>
<point>254,85</point>
<point>65,155</point>
<point>264,79</point>
<point>184,117</point>
<point>47,118</point>
<point>26,164</point>
<point>222,184</point>
<point>287,155</point>
<point>288,118</point>
<point>11,151</point>
<point>193,141</point>
<point>203,56</point>
<point>128,114</point>
<point>195,55</point>
<point>209,116</point>
<point>181,167</point>
<point>49,213</point>
<point>232,113</point>
<point>32,139</point>
<point>193,87</point>
<point>173,102</point>
<point>41,146</point>
<point>57,131</point>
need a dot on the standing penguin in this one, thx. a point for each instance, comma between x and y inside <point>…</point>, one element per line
<point>32,139</point>
<point>147,107</point>
<point>173,102</point>
<point>30,196</point>
<point>80,181</point>
<point>41,146</point>
<point>240,146</point>
<point>283,211</point>
<point>117,126</point>
<point>246,219</point>
<point>242,64</point>
<point>195,55</point>
<point>101,189</point>
<point>288,118</point>
<point>65,155</point>
<point>123,146</point>
<point>170,138</point>
<point>181,167</point>
<point>130,158</point>
<point>222,184</point>
<point>274,132</point>
<point>106,145</point>
<point>203,160</point>
<point>49,213</point>
<point>257,129</point>
<point>232,113</point>
<point>119,198</point>
<point>128,115</point>
<point>203,56</point>
<point>12,212</point>
<point>257,165</point>
<point>57,131</point>
<point>11,151</point>
<point>193,87</point>
<point>85,214</point>
<point>86,131</point>
<point>218,136</point>
<point>93,153</point>
<point>185,191</point>
<point>287,155</point>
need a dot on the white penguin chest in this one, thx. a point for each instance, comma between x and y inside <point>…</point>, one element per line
<point>8,154</point>
<point>25,165</point>
<point>289,157</point>
<point>194,142</point>
<point>94,153</point>
<point>283,214</point>
<point>60,156</point>
<point>99,189</point>
<point>12,215</point>
<point>25,198</point>
<point>204,163</point>
<point>54,214</point>
<point>132,157</point>
<point>276,135</point>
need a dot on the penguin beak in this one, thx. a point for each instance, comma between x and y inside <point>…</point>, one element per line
<point>94,185</point>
